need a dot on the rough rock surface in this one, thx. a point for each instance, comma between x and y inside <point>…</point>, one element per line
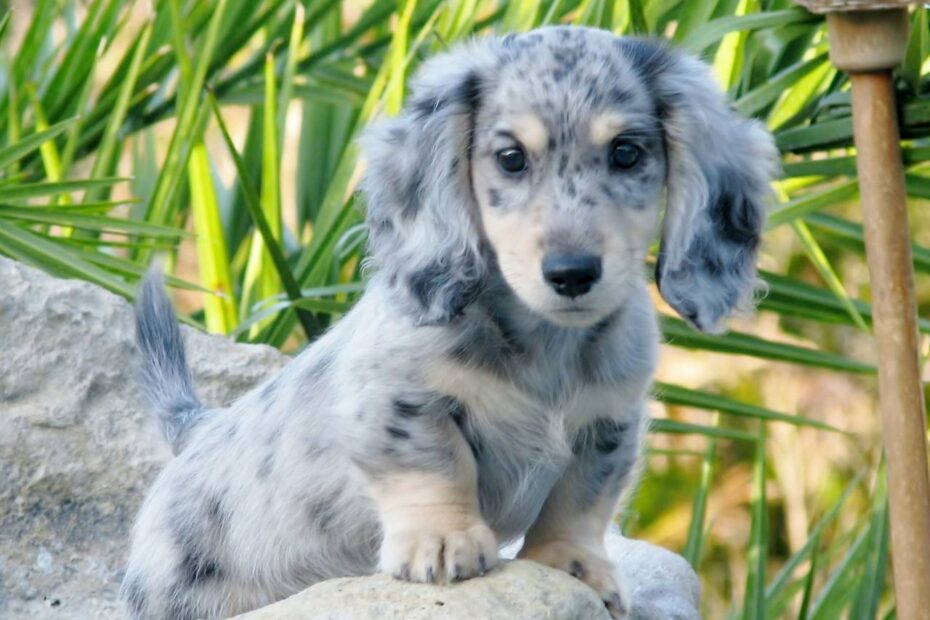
<point>662,585</point>
<point>518,590</point>
<point>77,447</point>
<point>78,450</point>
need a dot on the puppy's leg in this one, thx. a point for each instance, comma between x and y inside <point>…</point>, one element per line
<point>433,530</point>
<point>423,478</point>
<point>569,532</point>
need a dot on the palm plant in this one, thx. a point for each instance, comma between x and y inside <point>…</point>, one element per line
<point>118,142</point>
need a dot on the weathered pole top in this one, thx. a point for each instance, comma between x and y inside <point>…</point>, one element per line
<point>864,35</point>
<point>842,6</point>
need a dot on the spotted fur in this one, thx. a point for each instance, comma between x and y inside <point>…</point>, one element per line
<point>465,402</point>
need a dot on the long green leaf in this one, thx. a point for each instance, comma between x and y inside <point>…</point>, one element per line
<point>253,202</point>
<point>695,540</point>
<point>677,395</point>
<point>754,603</point>
<point>679,334</point>
<point>686,428</point>
<point>23,147</point>
<point>36,190</point>
<point>711,32</point>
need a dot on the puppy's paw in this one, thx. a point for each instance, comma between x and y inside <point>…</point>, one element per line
<point>430,556</point>
<point>589,565</point>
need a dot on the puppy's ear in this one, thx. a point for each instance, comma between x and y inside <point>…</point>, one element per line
<point>719,169</point>
<point>423,234</point>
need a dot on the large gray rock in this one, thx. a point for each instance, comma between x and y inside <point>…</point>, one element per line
<point>77,447</point>
<point>78,450</point>
<point>518,590</point>
<point>662,585</point>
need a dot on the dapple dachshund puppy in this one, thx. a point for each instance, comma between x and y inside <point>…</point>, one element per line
<point>491,382</point>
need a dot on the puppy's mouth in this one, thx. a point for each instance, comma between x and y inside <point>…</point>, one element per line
<point>574,315</point>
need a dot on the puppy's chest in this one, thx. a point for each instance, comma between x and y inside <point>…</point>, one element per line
<point>522,443</point>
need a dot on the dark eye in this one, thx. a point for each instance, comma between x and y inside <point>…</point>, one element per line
<point>623,155</point>
<point>512,160</point>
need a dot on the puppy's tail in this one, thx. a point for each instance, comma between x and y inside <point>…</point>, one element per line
<point>165,378</point>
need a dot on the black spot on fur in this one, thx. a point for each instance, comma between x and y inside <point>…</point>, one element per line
<point>588,201</point>
<point>609,192</point>
<point>570,189</point>
<point>427,106</point>
<point>650,59</point>
<point>576,570</point>
<point>199,568</point>
<point>412,196</point>
<point>603,326</point>
<point>469,92</point>
<point>426,282</point>
<point>736,219</point>
<point>563,165</point>
<point>406,409</point>
<point>620,96</point>
<point>397,432</point>
<point>607,434</point>
<point>216,514</point>
<point>459,414</point>
<point>469,95</point>
<point>323,511</point>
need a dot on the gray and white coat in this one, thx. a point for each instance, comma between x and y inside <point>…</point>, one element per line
<point>491,382</point>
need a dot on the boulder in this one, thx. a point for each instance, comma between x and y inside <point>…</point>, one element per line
<point>518,590</point>
<point>662,585</point>
<point>78,450</point>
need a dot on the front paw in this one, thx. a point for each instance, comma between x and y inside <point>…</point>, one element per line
<point>589,565</point>
<point>427,556</point>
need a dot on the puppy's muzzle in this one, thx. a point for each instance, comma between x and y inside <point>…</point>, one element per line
<point>571,275</point>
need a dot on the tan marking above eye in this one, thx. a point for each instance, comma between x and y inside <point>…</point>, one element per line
<point>531,132</point>
<point>604,127</point>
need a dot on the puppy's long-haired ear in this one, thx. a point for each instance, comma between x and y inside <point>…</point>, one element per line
<point>422,216</point>
<point>719,169</point>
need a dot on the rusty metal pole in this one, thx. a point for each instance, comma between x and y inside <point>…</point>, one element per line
<point>868,45</point>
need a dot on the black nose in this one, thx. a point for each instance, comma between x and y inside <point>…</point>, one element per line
<point>571,275</point>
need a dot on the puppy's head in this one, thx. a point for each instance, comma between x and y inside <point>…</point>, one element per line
<point>546,156</point>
